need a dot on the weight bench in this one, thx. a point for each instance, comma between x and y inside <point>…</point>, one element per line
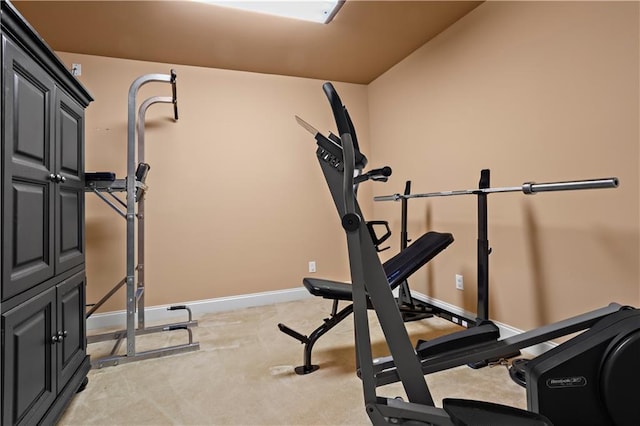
<point>397,270</point>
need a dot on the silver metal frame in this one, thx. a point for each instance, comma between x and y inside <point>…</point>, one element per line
<point>135,288</point>
<point>528,188</point>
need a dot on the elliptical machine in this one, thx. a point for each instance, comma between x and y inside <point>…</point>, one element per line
<point>596,368</point>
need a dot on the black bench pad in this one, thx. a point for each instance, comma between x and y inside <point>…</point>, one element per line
<point>397,269</point>
<point>328,289</point>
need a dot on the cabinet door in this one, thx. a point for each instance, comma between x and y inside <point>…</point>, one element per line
<point>71,349</point>
<point>69,193</point>
<point>29,377</point>
<point>27,163</point>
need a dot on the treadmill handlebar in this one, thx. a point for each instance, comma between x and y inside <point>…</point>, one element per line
<point>337,108</point>
<point>381,172</point>
<point>348,153</point>
<point>379,175</point>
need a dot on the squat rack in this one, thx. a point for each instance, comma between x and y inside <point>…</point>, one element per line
<point>135,187</point>
<point>483,190</point>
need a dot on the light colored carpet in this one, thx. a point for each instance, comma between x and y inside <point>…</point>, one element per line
<point>243,375</point>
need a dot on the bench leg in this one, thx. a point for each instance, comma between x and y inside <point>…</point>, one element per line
<point>328,324</point>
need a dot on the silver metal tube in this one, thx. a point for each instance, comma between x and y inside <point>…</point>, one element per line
<point>526,188</point>
<point>532,188</point>
<point>397,197</point>
<point>140,299</point>
<point>105,298</point>
<point>394,197</point>
<point>142,111</point>
<point>503,189</point>
<point>110,203</point>
<point>150,354</point>
<point>131,190</point>
<point>122,203</point>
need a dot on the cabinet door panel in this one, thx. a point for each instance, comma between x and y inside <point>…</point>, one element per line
<point>30,210</point>
<point>31,116</point>
<point>71,322</point>
<point>70,238</point>
<point>29,385</point>
<point>70,193</point>
<point>70,118</point>
<point>27,244</point>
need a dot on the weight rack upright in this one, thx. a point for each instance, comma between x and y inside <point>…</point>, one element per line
<point>134,185</point>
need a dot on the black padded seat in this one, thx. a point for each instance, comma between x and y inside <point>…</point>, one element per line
<point>328,289</point>
<point>397,269</point>
<point>409,260</point>
<point>100,176</point>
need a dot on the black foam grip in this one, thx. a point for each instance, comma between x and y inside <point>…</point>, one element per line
<point>384,171</point>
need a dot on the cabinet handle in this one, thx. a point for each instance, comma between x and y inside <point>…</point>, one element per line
<point>57,178</point>
<point>59,337</point>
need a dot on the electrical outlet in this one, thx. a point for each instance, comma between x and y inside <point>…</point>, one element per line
<point>76,69</point>
<point>312,266</point>
<point>459,282</point>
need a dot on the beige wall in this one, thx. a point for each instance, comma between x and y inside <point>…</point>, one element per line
<point>534,91</point>
<point>237,203</point>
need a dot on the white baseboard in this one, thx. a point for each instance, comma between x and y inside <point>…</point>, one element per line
<point>222,304</point>
<point>199,307</point>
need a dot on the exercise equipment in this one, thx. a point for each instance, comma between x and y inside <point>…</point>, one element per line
<point>101,183</point>
<point>408,365</point>
<point>405,299</point>
<point>397,269</point>
<point>481,193</point>
<point>595,374</point>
